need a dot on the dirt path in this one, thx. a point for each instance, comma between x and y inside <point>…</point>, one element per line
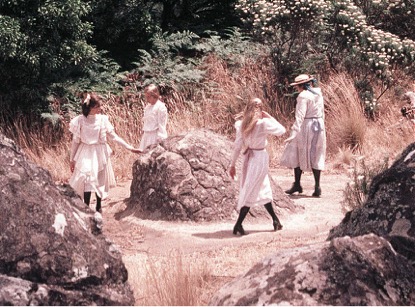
<point>159,237</point>
<point>139,239</point>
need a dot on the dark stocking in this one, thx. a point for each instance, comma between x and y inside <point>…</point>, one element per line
<point>296,185</point>
<point>238,226</point>
<point>87,198</point>
<point>317,189</point>
<point>242,214</point>
<point>297,175</point>
<point>316,174</point>
<point>275,221</point>
<point>98,207</point>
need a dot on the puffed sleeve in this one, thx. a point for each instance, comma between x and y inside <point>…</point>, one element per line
<point>237,146</point>
<point>75,128</point>
<point>114,136</point>
<point>109,128</point>
<point>272,126</point>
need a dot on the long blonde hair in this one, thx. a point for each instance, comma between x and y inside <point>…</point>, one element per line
<point>252,112</point>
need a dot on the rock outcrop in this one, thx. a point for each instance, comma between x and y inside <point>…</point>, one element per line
<point>389,210</point>
<point>186,177</point>
<point>361,271</point>
<point>368,259</point>
<point>52,251</point>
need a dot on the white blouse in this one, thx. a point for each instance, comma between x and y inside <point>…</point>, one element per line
<point>257,139</point>
<point>308,106</point>
<point>155,119</point>
<point>92,130</point>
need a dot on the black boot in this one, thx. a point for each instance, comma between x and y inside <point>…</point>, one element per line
<point>317,192</point>
<point>87,198</point>
<point>275,221</point>
<point>296,185</point>
<point>317,189</point>
<point>238,226</point>
<point>295,188</point>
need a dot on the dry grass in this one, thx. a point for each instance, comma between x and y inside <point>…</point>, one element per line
<point>172,280</point>
<point>345,121</point>
<point>222,96</point>
<point>191,279</point>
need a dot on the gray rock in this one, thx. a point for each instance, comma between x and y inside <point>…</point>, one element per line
<point>346,271</point>
<point>186,177</point>
<point>52,251</point>
<point>390,207</point>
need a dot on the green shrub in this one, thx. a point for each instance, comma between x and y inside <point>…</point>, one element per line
<point>356,191</point>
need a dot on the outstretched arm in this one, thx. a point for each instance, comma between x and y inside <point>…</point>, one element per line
<point>114,137</point>
<point>74,148</point>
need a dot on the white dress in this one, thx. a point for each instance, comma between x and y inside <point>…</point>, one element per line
<point>308,149</point>
<point>154,124</point>
<point>255,186</point>
<point>93,171</point>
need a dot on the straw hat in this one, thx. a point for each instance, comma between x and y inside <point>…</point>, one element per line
<point>302,79</point>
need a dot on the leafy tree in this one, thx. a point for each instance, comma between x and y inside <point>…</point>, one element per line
<point>121,27</point>
<point>196,15</point>
<point>307,34</point>
<point>395,16</point>
<point>124,26</point>
<point>41,42</point>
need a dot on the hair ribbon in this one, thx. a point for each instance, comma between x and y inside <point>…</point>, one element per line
<point>87,100</point>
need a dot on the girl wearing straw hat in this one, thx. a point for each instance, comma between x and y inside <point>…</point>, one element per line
<point>306,146</point>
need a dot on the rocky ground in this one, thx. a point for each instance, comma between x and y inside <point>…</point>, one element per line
<point>225,255</point>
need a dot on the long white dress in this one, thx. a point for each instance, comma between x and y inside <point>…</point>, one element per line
<point>154,124</point>
<point>93,170</point>
<point>255,186</point>
<point>308,149</point>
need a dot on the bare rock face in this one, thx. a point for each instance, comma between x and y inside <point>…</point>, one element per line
<point>52,251</point>
<point>390,208</point>
<point>346,271</point>
<point>185,178</point>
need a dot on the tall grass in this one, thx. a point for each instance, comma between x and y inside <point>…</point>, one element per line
<point>214,106</point>
<point>172,280</point>
<point>345,120</point>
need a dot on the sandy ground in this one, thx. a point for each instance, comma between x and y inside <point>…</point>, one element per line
<point>214,243</point>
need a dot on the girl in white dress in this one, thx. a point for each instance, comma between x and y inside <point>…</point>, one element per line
<point>255,186</point>
<point>154,119</point>
<point>90,154</point>
<point>306,146</point>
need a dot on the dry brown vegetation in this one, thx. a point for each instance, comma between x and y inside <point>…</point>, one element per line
<point>178,280</point>
<point>349,131</point>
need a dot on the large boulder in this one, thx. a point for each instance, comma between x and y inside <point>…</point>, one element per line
<point>186,177</point>
<point>52,251</point>
<point>390,207</point>
<point>346,271</point>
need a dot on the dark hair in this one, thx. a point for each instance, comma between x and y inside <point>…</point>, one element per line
<point>90,103</point>
<point>307,86</point>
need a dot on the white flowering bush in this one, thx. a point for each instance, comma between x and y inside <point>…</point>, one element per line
<point>335,34</point>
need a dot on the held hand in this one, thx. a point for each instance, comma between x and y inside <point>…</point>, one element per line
<point>289,139</point>
<point>232,172</point>
<point>72,166</point>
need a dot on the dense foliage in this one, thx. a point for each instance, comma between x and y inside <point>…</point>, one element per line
<point>58,48</point>
<point>370,39</point>
<point>41,43</point>
<point>124,26</point>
